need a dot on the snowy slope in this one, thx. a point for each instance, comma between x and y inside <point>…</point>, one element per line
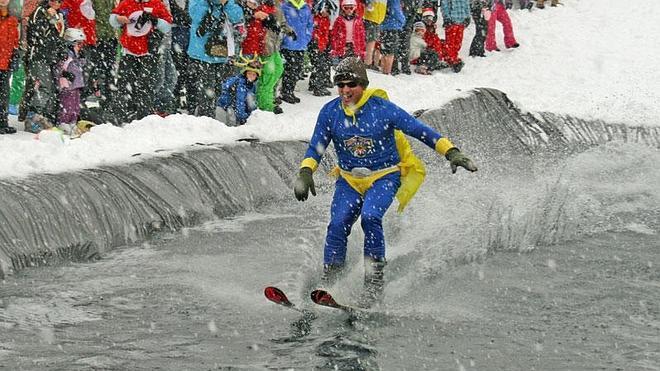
<point>588,58</point>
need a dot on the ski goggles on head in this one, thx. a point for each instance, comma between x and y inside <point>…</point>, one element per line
<point>350,84</point>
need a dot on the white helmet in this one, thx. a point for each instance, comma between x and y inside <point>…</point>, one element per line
<point>74,34</point>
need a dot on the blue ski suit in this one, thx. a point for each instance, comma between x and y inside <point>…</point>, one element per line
<point>370,166</point>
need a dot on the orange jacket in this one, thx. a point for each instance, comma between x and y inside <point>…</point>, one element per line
<point>8,40</point>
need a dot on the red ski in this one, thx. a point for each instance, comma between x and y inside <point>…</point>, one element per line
<point>277,296</point>
<point>322,297</point>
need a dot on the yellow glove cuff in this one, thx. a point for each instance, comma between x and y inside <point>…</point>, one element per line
<point>310,163</point>
<point>443,145</point>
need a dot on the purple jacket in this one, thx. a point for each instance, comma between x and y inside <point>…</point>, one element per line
<point>74,65</point>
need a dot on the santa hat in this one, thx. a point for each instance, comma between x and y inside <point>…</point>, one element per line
<point>349,2</point>
<point>428,12</point>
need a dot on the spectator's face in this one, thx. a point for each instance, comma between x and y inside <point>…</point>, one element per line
<point>251,76</point>
<point>420,31</point>
<point>350,92</point>
<point>348,9</point>
<point>252,4</point>
<point>428,19</point>
<point>4,3</point>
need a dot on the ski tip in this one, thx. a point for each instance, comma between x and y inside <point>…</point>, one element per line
<point>322,297</point>
<point>276,295</point>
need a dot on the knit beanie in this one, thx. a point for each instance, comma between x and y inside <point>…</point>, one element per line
<point>352,68</point>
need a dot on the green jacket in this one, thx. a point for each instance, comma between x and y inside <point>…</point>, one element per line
<point>103,8</point>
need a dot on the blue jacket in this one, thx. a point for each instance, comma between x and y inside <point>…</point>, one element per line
<point>455,11</point>
<point>367,139</point>
<point>197,10</point>
<point>394,18</point>
<point>302,23</point>
<point>239,94</point>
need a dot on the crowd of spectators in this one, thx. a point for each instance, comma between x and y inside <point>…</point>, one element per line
<point>108,61</point>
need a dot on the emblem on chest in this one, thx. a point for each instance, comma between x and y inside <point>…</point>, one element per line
<point>359,146</point>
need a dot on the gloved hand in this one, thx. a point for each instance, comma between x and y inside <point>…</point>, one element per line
<point>304,184</point>
<point>292,35</point>
<point>466,22</point>
<point>68,75</point>
<point>446,23</point>
<point>457,158</point>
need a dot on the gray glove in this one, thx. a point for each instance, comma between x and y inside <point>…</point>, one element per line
<point>456,158</point>
<point>304,184</point>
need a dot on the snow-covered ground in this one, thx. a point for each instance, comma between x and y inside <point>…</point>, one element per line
<point>588,58</point>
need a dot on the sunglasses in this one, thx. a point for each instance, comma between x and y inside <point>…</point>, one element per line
<point>350,84</point>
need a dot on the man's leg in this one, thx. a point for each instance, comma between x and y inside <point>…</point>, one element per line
<point>372,31</point>
<point>144,93</point>
<point>123,105</point>
<point>344,211</point>
<point>389,46</point>
<point>376,202</point>
<point>453,42</point>
<point>4,97</point>
<point>481,25</point>
<point>491,41</point>
<point>293,67</point>
<point>270,74</point>
<point>509,38</point>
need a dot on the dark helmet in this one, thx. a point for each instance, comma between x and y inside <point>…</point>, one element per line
<point>352,68</point>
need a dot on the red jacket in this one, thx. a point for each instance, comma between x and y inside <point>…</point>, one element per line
<point>321,31</point>
<point>338,36</point>
<point>80,14</point>
<point>139,45</point>
<point>433,41</point>
<point>255,40</point>
<point>8,40</point>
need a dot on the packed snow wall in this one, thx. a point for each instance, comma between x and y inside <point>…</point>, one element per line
<point>80,215</point>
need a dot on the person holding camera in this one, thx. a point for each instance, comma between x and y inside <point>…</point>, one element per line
<point>142,23</point>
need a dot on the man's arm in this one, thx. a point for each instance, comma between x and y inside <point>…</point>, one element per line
<point>432,138</point>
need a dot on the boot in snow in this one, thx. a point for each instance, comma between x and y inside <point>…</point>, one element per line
<point>373,281</point>
<point>331,273</point>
